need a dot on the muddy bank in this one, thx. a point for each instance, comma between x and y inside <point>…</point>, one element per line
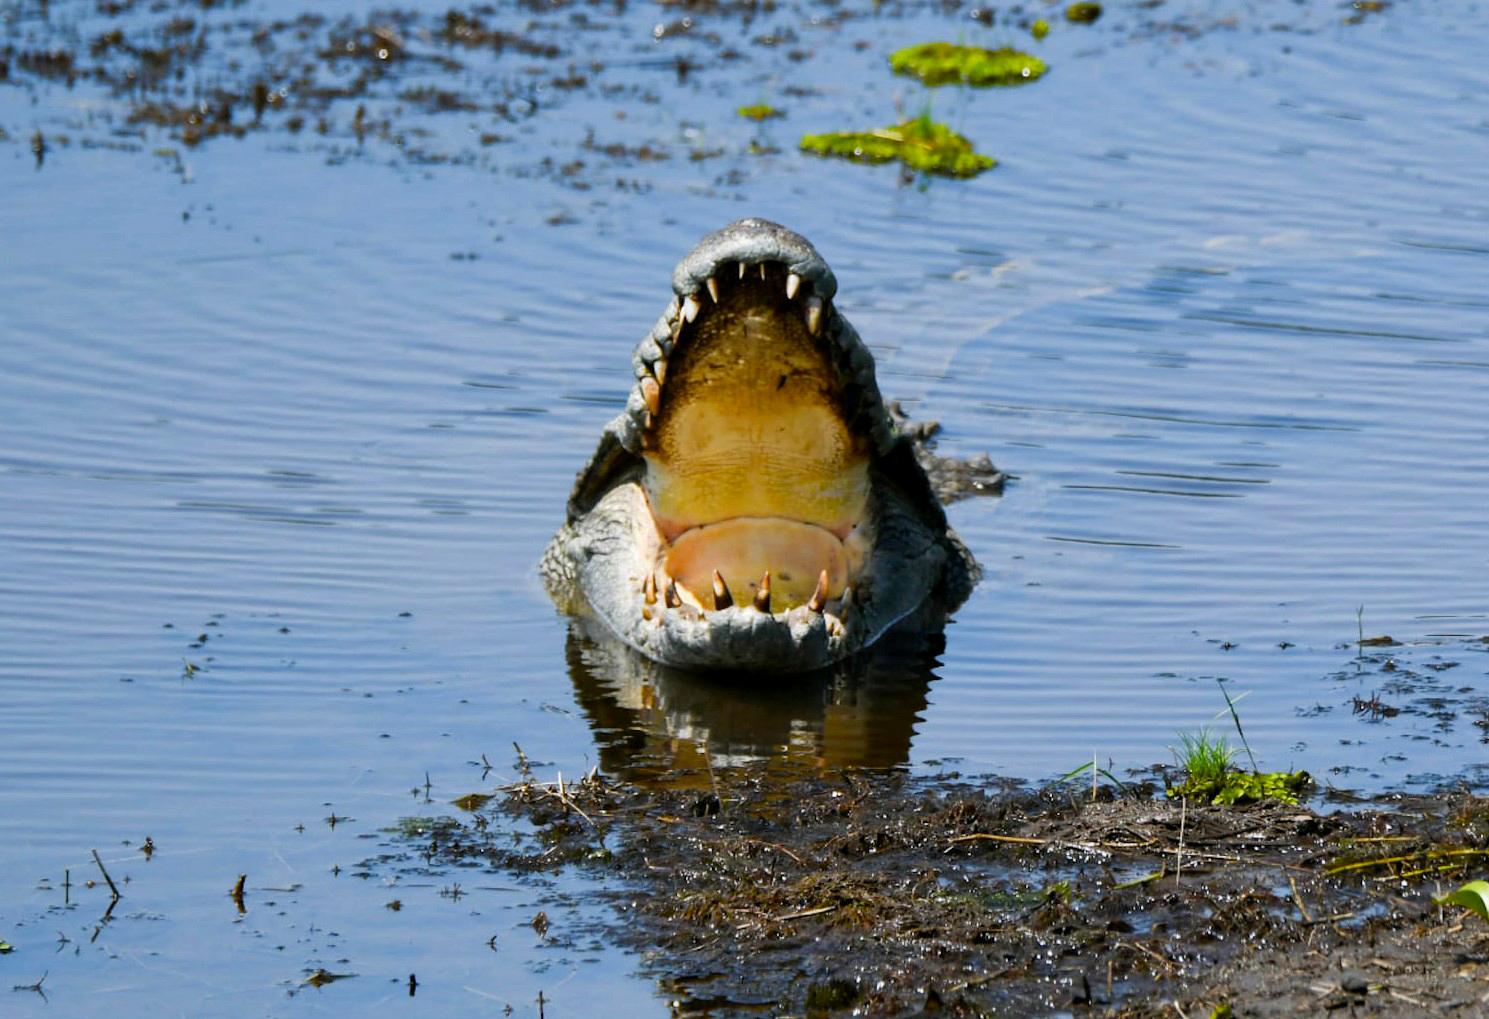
<point>884,895</point>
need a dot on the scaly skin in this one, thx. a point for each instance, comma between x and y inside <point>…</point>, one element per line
<point>755,507</point>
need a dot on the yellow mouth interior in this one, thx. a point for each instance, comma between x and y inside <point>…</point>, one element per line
<point>751,466</point>
<point>744,548</point>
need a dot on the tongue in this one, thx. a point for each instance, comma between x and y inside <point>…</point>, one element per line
<point>744,548</point>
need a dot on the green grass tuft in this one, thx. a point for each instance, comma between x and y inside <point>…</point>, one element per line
<point>1205,759</point>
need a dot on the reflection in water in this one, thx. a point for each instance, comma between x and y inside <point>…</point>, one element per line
<point>668,727</point>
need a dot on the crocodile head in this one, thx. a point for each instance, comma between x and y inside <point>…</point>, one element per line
<point>754,507</point>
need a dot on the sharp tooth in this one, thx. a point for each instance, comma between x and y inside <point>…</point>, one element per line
<point>722,599</point>
<point>814,314</point>
<point>741,270</point>
<point>793,281</point>
<point>846,598</point>
<point>713,289</point>
<point>659,369</point>
<point>649,588</point>
<point>819,596</point>
<point>690,307</point>
<point>762,594</point>
<point>835,627</point>
<point>653,394</point>
<point>762,272</point>
<point>673,600</point>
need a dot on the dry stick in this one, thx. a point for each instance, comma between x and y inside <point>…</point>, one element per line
<point>112,887</point>
<point>1179,852</point>
<point>781,849</point>
<point>1330,919</point>
<point>799,914</point>
<point>1299,900</point>
<point>1000,838</point>
<point>1166,963</point>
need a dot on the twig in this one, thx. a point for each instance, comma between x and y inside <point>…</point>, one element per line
<point>1000,838</point>
<point>1166,963</point>
<point>112,887</point>
<point>32,987</point>
<point>1299,900</point>
<point>1179,850</point>
<point>782,849</point>
<point>803,913</point>
<point>1330,919</point>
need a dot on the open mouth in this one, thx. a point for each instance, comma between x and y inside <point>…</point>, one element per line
<point>756,463</point>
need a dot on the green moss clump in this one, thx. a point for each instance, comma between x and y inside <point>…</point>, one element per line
<point>1039,29</point>
<point>760,111</point>
<point>1083,14</point>
<point>920,143</point>
<point>944,63</point>
<point>1247,787</point>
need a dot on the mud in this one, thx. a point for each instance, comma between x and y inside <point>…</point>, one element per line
<point>886,895</point>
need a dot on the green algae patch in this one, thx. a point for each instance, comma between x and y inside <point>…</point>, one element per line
<point>1082,14</point>
<point>759,112</point>
<point>945,63</point>
<point>920,143</point>
<point>1239,787</point>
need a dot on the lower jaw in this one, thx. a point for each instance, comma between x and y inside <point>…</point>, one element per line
<point>788,557</point>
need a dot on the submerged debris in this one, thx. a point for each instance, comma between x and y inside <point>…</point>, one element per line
<point>944,63</point>
<point>760,111</point>
<point>894,896</point>
<point>919,143</point>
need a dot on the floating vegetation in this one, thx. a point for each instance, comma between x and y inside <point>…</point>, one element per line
<point>1208,775</point>
<point>919,143</point>
<point>1039,29</point>
<point>1083,14</point>
<point>945,63</point>
<point>760,111</point>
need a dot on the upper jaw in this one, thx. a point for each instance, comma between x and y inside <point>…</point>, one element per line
<point>809,282</point>
<point>752,242</point>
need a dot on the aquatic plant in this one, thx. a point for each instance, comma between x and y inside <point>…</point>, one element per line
<point>1473,896</point>
<point>945,63</point>
<point>1083,13</point>
<point>920,143</point>
<point>1205,758</point>
<point>760,111</point>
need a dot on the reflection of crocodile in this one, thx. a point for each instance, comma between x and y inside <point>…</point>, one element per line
<point>659,726</point>
<point>755,506</point>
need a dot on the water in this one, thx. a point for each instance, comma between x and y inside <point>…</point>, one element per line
<point>319,401</point>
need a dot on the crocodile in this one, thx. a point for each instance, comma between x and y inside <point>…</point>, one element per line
<point>757,506</point>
